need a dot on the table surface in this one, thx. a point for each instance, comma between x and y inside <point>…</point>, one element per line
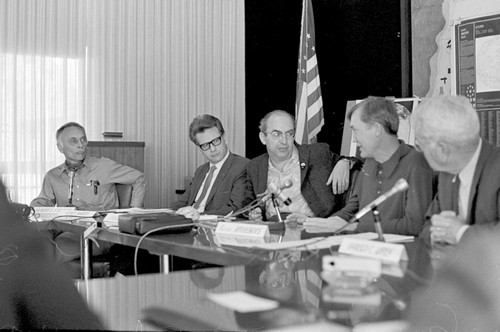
<point>198,244</point>
<point>293,278</point>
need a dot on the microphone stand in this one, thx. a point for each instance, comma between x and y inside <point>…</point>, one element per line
<point>276,208</point>
<point>378,227</point>
<point>277,224</point>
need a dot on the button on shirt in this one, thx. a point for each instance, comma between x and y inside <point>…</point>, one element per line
<point>291,171</point>
<point>203,203</point>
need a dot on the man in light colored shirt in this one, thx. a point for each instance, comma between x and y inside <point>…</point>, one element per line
<point>219,186</point>
<point>447,130</point>
<point>303,169</point>
<point>88,183</point>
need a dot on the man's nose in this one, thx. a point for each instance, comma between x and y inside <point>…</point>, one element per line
<point>212,147</point>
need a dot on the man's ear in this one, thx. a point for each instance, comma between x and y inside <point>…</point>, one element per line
<point>378,128</point>
<point>262,137</point>
<point>59,147</point>
<point>441,153</point>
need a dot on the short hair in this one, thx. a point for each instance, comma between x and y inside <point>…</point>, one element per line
<point>68,125</point>
<point>263,122</point>
<point>203,122</point>
<point>449,119</point>
<point>378,110</point>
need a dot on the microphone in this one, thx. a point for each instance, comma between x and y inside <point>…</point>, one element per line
<point>273,189</point>
<point>71,175</point>
<point>400,185</point>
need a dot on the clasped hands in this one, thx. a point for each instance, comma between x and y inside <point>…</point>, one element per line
<point>445,227</point>
<point>189,212</point>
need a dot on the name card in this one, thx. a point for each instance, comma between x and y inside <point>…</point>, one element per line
<point>386,252</point>
<point>241,229</point>
<point>238,241</point>
<point>352,266</point>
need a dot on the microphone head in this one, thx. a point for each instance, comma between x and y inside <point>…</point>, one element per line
<point>272,188</point>
<point>400,185</point>
<point>287,184</point>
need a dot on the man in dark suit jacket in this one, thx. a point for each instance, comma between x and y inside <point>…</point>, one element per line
<point>225,188</point>
<point>468,197</point>
<point>306,167</point>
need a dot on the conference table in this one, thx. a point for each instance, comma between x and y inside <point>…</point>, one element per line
<point>199,243</point>
<point>290,278</point>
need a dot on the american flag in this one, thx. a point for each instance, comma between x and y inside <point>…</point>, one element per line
<point>309,104</point>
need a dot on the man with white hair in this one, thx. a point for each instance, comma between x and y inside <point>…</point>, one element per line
<point>468,197</point>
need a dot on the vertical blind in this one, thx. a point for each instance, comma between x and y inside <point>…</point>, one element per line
<point>143,67</point>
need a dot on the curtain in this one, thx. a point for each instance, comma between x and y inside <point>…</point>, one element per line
<point>142,67</point>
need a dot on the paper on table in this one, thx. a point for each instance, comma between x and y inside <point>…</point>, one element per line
<point>243,302</point>
<point>137,210</point>
<point>62,213</point>
<point>206,217</point>
<point>331,241</point>
<point>321,326</point>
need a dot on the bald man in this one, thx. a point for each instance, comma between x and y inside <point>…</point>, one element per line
<point>468,198</point>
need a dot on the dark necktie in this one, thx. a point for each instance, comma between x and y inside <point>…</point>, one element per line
<point>455,186</point>
<point>205,187</point>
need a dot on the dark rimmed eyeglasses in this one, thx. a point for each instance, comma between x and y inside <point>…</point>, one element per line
<point>278,135</point>
<point>215,142</point>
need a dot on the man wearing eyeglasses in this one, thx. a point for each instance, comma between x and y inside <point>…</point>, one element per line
<point>220,185</point>
<point>306,168</point>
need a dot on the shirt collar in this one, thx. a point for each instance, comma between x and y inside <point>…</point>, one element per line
<point>294,160</point>
<point>64,167</point>
<point>467,173</point>
<point>220,163</point>
<point>390,164</point>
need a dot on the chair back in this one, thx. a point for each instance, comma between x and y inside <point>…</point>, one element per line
<point>124,192</point>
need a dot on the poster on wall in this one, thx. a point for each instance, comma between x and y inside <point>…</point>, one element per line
<point>404,107</point>
<point>477,60</point>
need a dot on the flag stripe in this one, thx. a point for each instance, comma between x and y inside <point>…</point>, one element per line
<point>309,103</point>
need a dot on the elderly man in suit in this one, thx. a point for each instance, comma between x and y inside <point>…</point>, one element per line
<point>219,186</point>
<point>468,197</point>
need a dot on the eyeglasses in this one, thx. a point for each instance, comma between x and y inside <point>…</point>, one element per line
<point>278,135</point>
<point>214,142</point>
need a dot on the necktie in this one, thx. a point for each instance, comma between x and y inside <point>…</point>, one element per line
<point>455,186</point>
<point>205,187</point>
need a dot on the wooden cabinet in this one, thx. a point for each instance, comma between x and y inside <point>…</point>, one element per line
<point>126,153</point>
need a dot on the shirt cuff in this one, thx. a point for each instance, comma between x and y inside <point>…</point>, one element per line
<point>461,232</point>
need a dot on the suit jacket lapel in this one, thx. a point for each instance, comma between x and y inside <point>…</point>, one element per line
<point>220,176</point>
<point>197,181</point>
<point>303,160</point>
<point>262,180</point>
<point>483,157</point>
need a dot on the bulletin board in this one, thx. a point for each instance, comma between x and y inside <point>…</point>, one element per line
<point>405,107</point>
<point>477,70</point>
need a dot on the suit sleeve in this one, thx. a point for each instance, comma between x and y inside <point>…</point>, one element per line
<point>419,196</point>
<point>239,197</point>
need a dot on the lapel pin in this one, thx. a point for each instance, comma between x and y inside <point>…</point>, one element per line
<point>302,165</point>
